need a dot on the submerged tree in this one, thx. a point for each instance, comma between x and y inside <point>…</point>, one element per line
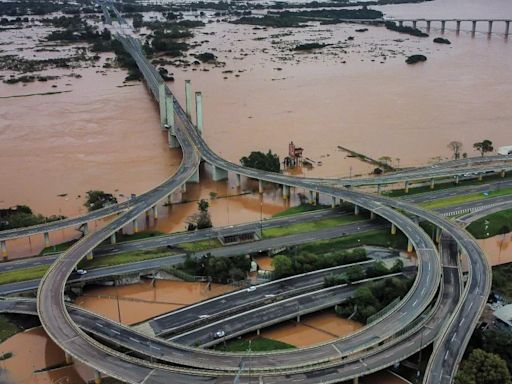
<point>455,147</point>
<point>266,162</point>
<point>484,146</point>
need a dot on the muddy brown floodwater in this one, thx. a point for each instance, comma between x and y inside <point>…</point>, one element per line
<point>498,249</point>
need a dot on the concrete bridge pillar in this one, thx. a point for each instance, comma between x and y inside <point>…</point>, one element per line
<point>443,26</point>
<point>393,229</point>
<point>410,248</point>
<point>135,226</point>
<point>378,188</point>
<point>199,112</point>
<point>286,191</point>
<point>356,209</point>
<point>169,111</point>
<point>155,212</point>
<point>184,187</point>
<point>507,28</point>
<point>68,357</point>
<point>312,197</point>
<point>298,318</point>
<point>238,180</point>
<point>341,201</point>
<point>258,331</point>
<point>90,256</point>
<point>162,104</point>
<point>188,99</point>
<point>85,229</point>
<point>3,247</point>
<point>401,23</point>
<point>171,139</point>
<point>113,238</point>
<point>97,377</point>
<point>438,235</point>
<point>457,179</point>
<point>480,177</point>
<point>219,173</point>
<point>414,23</point>
<point>432,183</point>
<point>503,173</point>
<point>372,215</point>
<point>457,30</point>
<point>317,198</point>
<point>428,25</point>
<point>193,179</point>
<point>333,203</point>
<point>489,30</point>
<point>406,187</point>
<point>46,239</point>
<point>148,213</point>
<point>169,199</point>
<point>473,27</point>
<point>356,380</point>
<point>260,186</point>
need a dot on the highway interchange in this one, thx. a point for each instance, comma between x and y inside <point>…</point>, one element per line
<point>434,308</point>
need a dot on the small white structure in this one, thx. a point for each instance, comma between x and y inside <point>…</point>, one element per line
<point>507,150</point>
<point>504,314</point>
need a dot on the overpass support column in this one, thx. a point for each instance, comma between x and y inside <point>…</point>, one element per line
<point>169,202</point>
<point>317,198</point>
<point>113,238</point>
<point>372,215</point>
<point>162,104</point>
<point>188,98</point>
<point>219,173</point>
<point>356,380</point>
<point>3,247</point>
<point>414,23</point>
<point>171,139</point>
<point>68,357</point>
<point>356,209</point>
<point>438,235</point>
<point>507,28</point>
<point>169,110</point>
<point>135,226</point>
<point>184,185</point>
<point>473,27</point>
<point>406,187</point>
<point>443,26</point>
<point>480,177</point>
<point>286,192</point>
<point>457,29</point>
<point>199,112</point>
<point>333,203</point>
<point>432,183</point>
<point>193,179</point>
<point>155,212</point>
<point>238,180</point>
<point>489,31</point>
<point>410,248</point>
<point>311,197</point>
<point>260,186</point>
<point>378,188</point>
<point>457,179</point>
<point>97,377</point>
<point>401,23</point>
<point>393,229</point>
<point>428,25</point>
<point>503,173</point>
<point>46,239</point>
<point>85,229</point>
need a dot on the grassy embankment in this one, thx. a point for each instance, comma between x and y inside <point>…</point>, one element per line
<point>496,224</point>
<point>302,208</point>
<point>501,282</point>
<point>259,344</point>
<point>449,201</point>
<point>7,329</point>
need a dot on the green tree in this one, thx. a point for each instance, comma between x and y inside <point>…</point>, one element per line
<point>98,199</point>
<point>203,205</point>
<point>484,146</point>
<point>483,368</point>
<point>355,273</point>
<point>266,162</point>
<point>283,266</point>
<point>455,147</point>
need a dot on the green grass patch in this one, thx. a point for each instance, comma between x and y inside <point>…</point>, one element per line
<point>501,282</point>
<point>440,203</point>
<point>301,209</point>
<point>23,274</point>
<point>444,185</point>
<point>378,237</point>
<point>259,344</point>
<point>57,247</point>
<point>7,329</point>
<point>202,245</point>
<point>125,258</point>
<point>497,224</point>
<point>5,356</point>
<point>120,238</point>
<point>310,226</point>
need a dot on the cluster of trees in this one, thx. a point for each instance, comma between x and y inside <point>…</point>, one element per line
<point>305,261</point>
<point>309,46</point>
<point>482,367</point>
<point>357,272</point>
<point>201,219</point>
<point>220,269</point>
<point>267,162</point>
<point>125,60</point>
<point>391,25</point>
<point>484,146</point>
<point>22,216</point>
<point>373,297</point>
<point>75,29</point>
<point>98,199</point>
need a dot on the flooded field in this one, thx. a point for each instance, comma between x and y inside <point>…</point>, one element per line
<point>498,249</point>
